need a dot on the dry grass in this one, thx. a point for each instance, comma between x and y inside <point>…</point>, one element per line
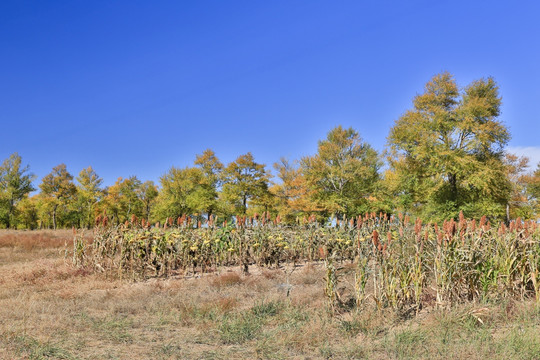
<point>30,240</point>
<point>227,279</point>
<point>51,310</point>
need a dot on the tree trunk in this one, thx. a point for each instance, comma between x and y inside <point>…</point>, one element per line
<point>10,212</point>
<point>54,216</point>
<point>8,223</point>
<point>452,179</point>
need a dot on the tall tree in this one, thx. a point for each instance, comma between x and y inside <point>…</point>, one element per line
<point>181,193</point>
<point>44,208</point>
<point>59,188</point>
<point>15,185</point>
<point>519,204</point>
<point>344,172</point>
<point>212,169</point>
<point>122,199</point>
<point>532,184</point>
<point>294,197</point>
<point>27,212</point>
<point>89,194</point>
<point>447,151</point>
<point>244,180</point>
<point>148,193</point>
<point>211,166</point>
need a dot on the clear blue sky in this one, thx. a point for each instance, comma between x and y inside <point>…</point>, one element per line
<point>135,87</point>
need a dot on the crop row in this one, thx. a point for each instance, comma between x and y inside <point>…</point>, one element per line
<point>396,262</point>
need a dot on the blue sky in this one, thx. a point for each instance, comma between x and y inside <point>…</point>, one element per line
<point>135,87</point>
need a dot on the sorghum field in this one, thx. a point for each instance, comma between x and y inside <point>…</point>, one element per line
<point>374,287</point>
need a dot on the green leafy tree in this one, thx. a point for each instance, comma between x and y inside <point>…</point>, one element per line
<point>89,194</point>
<point>15,185</point>
<point>44,208</point>
<point>182,192</point>
<point>446,153</point>
<point>59,189</point>
<point>211,167</point>
<point>344,173</point>
<point>244,181</point>
<point>532,185</point>
<point>148,193</point>
<point>207,193</point>
<point>519,203</point>
<point>27,212</point>
<point>123,200</point>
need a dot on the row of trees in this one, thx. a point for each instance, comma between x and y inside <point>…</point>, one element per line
<point>445,155</point>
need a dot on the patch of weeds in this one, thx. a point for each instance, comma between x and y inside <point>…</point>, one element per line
<point>352,327</point>
<point>446,328</point>
<point>407,343</point>
<point>36,350</point>
<point>83,317</point>
<point>212,355</point>
<point>342,351</point>
<point>79,343</point>
<point>456,328</point>
<point>369,325</point>
<point>168,349</point>
<point>114,328</point>
<point>266,309</point>
<point>293,317</point>
<point>472,323</point>
<point>204,313</point>
<point>355,351</point>
<point>326,351</point>
<point>523,343</point>
<point>165,318</point>
<point>239,328</point>
<point>529,315</point>
<point>267,349</point>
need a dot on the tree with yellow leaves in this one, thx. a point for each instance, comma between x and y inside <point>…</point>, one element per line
<point>446,153</point>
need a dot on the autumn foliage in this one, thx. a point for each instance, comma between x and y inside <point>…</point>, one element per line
<point>444,156</point>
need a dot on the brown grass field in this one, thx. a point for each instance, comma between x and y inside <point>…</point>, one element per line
<point>52,310</point>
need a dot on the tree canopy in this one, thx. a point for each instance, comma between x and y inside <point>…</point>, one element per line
<point>15,185</point>
<point>89,194</point>
<point>57,189</point>
<point>344,172</point>
<point>445,155</point>
<point>244,180</point>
